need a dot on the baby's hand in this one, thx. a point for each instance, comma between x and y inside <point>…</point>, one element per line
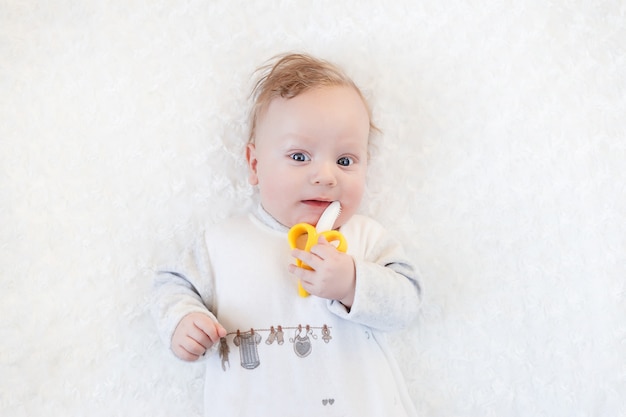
<point>333,275</point>
<point>194,335</point>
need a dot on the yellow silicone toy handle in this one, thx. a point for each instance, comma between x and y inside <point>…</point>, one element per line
<point>336,236</point>
<point>304,236</point>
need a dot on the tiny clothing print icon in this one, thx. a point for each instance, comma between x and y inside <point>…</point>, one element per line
<point>326,334</point>
<point>224,351</point>
<point>301,342</point>
<point>276,335</point>
<point>247,343</point>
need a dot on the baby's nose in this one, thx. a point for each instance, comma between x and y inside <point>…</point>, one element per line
<point>324,174</point>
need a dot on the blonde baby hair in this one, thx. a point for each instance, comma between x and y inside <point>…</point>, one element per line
<point>291,74</point>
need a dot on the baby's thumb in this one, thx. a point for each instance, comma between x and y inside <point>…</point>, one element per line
<point>221,331</point>
<point>321,240</point>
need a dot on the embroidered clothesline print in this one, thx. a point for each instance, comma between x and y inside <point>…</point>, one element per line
<point>280,328</point>
<point>248,341</point>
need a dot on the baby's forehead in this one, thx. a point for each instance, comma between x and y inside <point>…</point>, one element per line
<point>324,105</point>
<point>340,105</point>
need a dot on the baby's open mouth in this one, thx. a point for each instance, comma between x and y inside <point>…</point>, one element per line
<point>317,203</point>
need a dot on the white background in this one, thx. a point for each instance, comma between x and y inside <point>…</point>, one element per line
<point>502,166</point>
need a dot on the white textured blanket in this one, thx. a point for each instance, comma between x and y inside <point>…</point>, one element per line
<point>502,165</point>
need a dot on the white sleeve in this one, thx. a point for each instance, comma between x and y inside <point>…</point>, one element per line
<point>388,294</point>
<point>183,288</point>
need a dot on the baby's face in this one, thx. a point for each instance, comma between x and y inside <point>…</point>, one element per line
<point>311,150</point>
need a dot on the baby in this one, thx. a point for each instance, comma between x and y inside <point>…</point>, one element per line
<point>232,299</point>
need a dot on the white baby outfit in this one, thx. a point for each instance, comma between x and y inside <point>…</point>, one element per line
<point>286,355</point>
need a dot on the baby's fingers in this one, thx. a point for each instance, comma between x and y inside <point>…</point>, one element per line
<point>194,335</point>
<point>211,330</point>
<point>307,258</point>
<point>188,349</point>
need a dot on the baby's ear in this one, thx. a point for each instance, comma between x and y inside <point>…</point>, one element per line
<point>253,178</point>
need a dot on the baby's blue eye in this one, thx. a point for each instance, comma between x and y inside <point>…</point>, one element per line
<point>299,156</point>
<point>345,161</point>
